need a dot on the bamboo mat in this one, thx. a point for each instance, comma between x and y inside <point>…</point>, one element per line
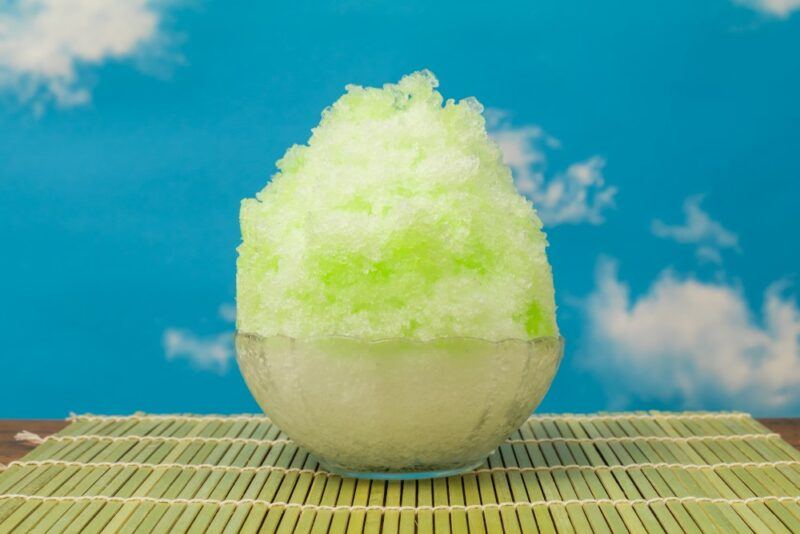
<point>639,472</point>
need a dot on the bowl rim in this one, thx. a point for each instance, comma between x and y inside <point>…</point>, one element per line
<point>417,341</point>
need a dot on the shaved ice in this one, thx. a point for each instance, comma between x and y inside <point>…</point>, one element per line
<point>397,219</point>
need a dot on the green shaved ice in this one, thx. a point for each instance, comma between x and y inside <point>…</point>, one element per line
<point>398,219</point>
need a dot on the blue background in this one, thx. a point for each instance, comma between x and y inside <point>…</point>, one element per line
<point>119,219</point>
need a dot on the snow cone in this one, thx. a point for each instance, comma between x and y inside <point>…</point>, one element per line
<point>395,310</point>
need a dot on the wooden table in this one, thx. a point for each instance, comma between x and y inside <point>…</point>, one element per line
<point>10,449</point>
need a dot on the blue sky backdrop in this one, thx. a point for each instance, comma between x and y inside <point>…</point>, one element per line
<point>658,140</point>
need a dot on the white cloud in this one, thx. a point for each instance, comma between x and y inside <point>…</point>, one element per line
<point>694,343</point>
<point>576,195</point>
<point>699,229</point>
<point>777,8</point>
<point>210,352</point>
<point>47,45</point>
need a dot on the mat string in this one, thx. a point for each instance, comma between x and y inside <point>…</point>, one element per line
<point>139,416</point>
<point>646,439</point>
<point>314,472</point>
<point>36,439</point>
<point>29,437</point>
<point>142,416</point>
<point>416,509</point>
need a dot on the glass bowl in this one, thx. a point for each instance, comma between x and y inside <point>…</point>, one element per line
<point>398,408</point>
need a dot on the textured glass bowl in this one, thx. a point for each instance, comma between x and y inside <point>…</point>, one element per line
<point>398,408</point>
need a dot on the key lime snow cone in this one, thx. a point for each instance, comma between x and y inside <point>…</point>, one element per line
<point>395,307</point>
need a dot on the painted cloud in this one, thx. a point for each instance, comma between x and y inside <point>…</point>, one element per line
<point>46,46</point>
<point>575,195</point>
<point>693,343</point>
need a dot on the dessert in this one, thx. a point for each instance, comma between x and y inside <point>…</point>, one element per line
<point>397,219</point>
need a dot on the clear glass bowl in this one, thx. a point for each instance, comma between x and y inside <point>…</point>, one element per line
<point>398,408</point>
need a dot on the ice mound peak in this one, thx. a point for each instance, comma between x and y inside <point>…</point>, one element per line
<point>397,219</point>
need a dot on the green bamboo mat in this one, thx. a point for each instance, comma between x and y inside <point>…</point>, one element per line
<point>637,472</point>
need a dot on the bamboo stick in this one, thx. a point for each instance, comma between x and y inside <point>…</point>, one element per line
<point>111,511</point>
<point>189,484</point>
<point>282,457</point>
<point>441,518</point>
<point>89,451</point>
<point>228,479</point>
<point>724,518</point>
<point>284,492</point>
<point>129,514</point>
<point>306,518</point>
<point>147,516</point>
<point>618,485</point>
<point>160,479</point>
<point>502,493</point>
<point>670,514</point>
<point>391,519</point>
<point>455,496</point>
<point>175,480</point>
<point>764,485</point>
<point>516,485</point>
<point>544,521</point>
<point>240,484</point>
<point>19,479</point>
<point>113,479</point>
<point>377,495</point>
<point>761,485</point>
<point>299,494</point>
<point>361,498</point>
<point>49,449</point>
<point>678,482</point>
<point>330,494</point>
<point>266,456</point>
<point>579,487</point>
<point>775,484</point>
<point>408,519</point>
<point>592,487</point>
<point>632,481</point>
<point>54,480</point>
<point>570,454</point>
<point>472,495</point>
<point>604,485</point>
<point>235,454</point>
<point>425,498</point>
<point>562,517</point>
<point>346,496</point>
